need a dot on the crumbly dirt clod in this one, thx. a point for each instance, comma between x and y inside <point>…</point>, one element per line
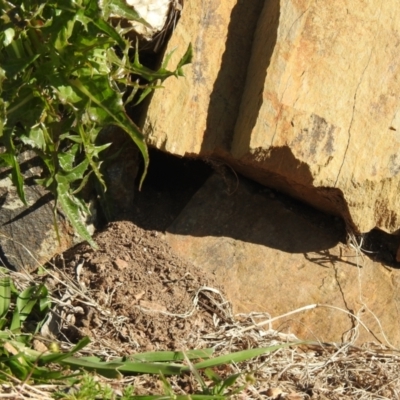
<point>141,294</point>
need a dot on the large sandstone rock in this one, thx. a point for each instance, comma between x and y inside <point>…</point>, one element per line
<point>197,114</point>
<point>276,256</point>
<point>298,95</point>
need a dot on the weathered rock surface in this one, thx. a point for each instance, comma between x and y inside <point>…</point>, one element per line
<point>27,235</point>
<point>199,112</point>
<point>298,95</point>
<point>275,255</point>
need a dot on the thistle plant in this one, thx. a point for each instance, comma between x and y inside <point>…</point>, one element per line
<point>65,74</point>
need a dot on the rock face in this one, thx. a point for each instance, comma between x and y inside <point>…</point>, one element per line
<point>298,95</point>
<point>274,255</point>
<point>27,235</point>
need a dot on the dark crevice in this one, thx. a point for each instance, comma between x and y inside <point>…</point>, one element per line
<point>4,261</point>
<point>380,247</point>
<point>170,184</point>
<point>173,181</point>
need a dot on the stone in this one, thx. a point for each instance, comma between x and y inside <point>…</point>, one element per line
<point>208,98</point>
<point>275,255</point>
<point>121,264</point>
<point>301,96</point>
<point>28,237</point>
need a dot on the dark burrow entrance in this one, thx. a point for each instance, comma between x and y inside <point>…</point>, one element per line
<point>172,181</point>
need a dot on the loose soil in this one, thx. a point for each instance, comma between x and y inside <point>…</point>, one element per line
<point>135,293</point>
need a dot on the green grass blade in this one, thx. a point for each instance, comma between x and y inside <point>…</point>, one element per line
<point>108,370</point>
<point>26,300</point>
<point>239,356</point>
<point>5,295</point>
<point>165,356</point>
<point>18,368</point>
<point>146,363</point>
<point>129,368</point>
<point>210,374</point>
<point>58,357</point>
<point>229,381</point>
<point>17,179</point>
<point>116,369</point>
<point>16,176</point>
<point>180,397</point>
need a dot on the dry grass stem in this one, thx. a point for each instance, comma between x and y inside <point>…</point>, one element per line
<point>312,370</point>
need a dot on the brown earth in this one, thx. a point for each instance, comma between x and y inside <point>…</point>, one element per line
<point>135,293</point>
<point>140,291</point>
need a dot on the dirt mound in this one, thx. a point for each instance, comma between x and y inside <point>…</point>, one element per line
<point>134,292</point>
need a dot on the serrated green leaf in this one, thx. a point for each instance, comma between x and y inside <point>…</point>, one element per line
<point>45,182</point>
<point>14,66</point>
<point>9,35</point>
<point>71,209</point>
<point>145,93</point>
<point>109,30</point>
<point>62,26</point>
<point>162,73</point>
<point>44,47</point>
<point>67,94</point>
<point>186,59</point>
<point>76,173</point>
<point>167,59</point>
<point>35,138</point>
<point>92,153</point>
<point>80,187</point>
<point>115,114</point>
<point>66,160</point>
<point>120,9</point>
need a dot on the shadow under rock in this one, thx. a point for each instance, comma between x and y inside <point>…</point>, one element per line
<point>169,185</point>
<point>241,209</point>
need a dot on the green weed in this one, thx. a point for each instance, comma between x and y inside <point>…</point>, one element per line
<point>23,312</point>
<point>65,74</point>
